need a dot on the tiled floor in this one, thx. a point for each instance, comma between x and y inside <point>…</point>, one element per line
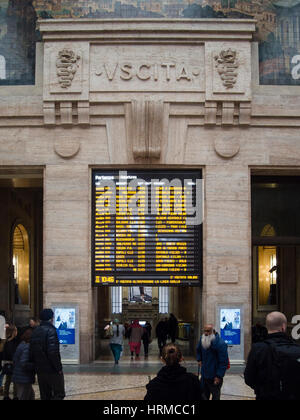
<point>104,381</point>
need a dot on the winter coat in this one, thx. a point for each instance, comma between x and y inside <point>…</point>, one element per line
<point>214,359</point>
<point>162,329</point>
<point>44,349</point>
<point>259,372</point>
<point>136,333</point>
<point>174,384</point>
<point>117,339</point>
<point>23,372</point>
<point>172,325</point>
<point>9,350</point>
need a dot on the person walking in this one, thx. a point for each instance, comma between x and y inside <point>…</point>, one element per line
<point>23,372</point>
<point>44,353</point>
<point>116,341</point>
<point>173,383</point>
<point>172,327</point>
<point>9,350</point>
<point>136,334</point>
<point>146,338</point>
<point>3,326</point>
<point>162,333</point>
<point>273,368</point>
<point>212,357</point>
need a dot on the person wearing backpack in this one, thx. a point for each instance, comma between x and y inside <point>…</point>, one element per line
<point>273,365</point>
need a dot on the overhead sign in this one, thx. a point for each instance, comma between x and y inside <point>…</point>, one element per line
<point>147,228</point>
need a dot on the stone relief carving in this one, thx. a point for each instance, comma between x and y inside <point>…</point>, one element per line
<point>66,65</point>
<point>227,65</point>
<point>147,127</point>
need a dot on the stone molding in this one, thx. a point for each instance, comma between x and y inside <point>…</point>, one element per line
<point>145,127</point>
<point>190,69</point>
<point>146,30</point>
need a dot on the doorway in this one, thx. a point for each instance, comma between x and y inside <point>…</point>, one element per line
<point>21,229</point>
<point>276,246</point>
<point>152,305</point>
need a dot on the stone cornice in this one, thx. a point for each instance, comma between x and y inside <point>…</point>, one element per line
<point>146,30</point>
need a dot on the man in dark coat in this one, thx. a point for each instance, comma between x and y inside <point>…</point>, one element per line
<point>212,357</point>
<point>263,373</point>
<point>173,327</point>
<point>162,333</point>
<point>45,354</point>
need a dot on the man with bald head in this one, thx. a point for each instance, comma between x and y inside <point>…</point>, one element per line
<point>273,366</point>
<point>212,357</point>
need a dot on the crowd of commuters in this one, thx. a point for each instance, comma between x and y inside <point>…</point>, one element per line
<point>29,353</point>
<point>272,370</point>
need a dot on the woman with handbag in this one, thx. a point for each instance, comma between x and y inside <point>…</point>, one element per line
<point>9,350</point>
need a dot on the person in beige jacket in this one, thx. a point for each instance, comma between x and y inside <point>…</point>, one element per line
<point>135,339</point>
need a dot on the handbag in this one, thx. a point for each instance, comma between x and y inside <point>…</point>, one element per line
<point>109,332</point>
<point>7,369</point>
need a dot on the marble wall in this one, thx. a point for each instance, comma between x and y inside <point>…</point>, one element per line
<point>193,120</point>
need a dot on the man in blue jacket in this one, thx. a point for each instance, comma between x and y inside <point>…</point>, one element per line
<point>212,357</point>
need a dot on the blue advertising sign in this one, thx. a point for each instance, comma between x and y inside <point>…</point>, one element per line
<point>230,326</point>
<point>65,322</point>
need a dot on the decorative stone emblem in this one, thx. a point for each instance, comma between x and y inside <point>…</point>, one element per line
<point>227,145</point>
<point>66,67</point>
<point>66,148</point>
<point>227,64</point>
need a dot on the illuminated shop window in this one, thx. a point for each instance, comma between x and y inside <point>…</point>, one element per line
<point>163,293</point>
<point>116,300</point>
<point>267,275</point>
<point>21,265</point>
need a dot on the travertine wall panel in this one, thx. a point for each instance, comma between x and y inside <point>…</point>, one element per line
<point>205,124</point>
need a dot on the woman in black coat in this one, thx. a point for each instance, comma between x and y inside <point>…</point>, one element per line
<point>173,383</point>
<point>24,373</point>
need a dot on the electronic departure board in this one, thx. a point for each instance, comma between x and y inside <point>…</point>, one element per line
<point>147,228</point>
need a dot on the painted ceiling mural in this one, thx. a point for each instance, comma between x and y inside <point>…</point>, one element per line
<point>278,29</point>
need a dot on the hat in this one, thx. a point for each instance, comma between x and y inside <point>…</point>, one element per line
<point>46,315</point>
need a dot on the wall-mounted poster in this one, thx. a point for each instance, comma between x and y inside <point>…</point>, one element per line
<point>66,322</point>
<point>230,326</point>
<point>64,319</point>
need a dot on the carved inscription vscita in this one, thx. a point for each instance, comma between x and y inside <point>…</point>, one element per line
<point>151,68</point>
<point>165,71</point>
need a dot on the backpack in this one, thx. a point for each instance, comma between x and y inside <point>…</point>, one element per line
<point>285,370</point>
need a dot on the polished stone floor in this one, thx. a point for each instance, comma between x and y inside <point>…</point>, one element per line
<point>127,381</point>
